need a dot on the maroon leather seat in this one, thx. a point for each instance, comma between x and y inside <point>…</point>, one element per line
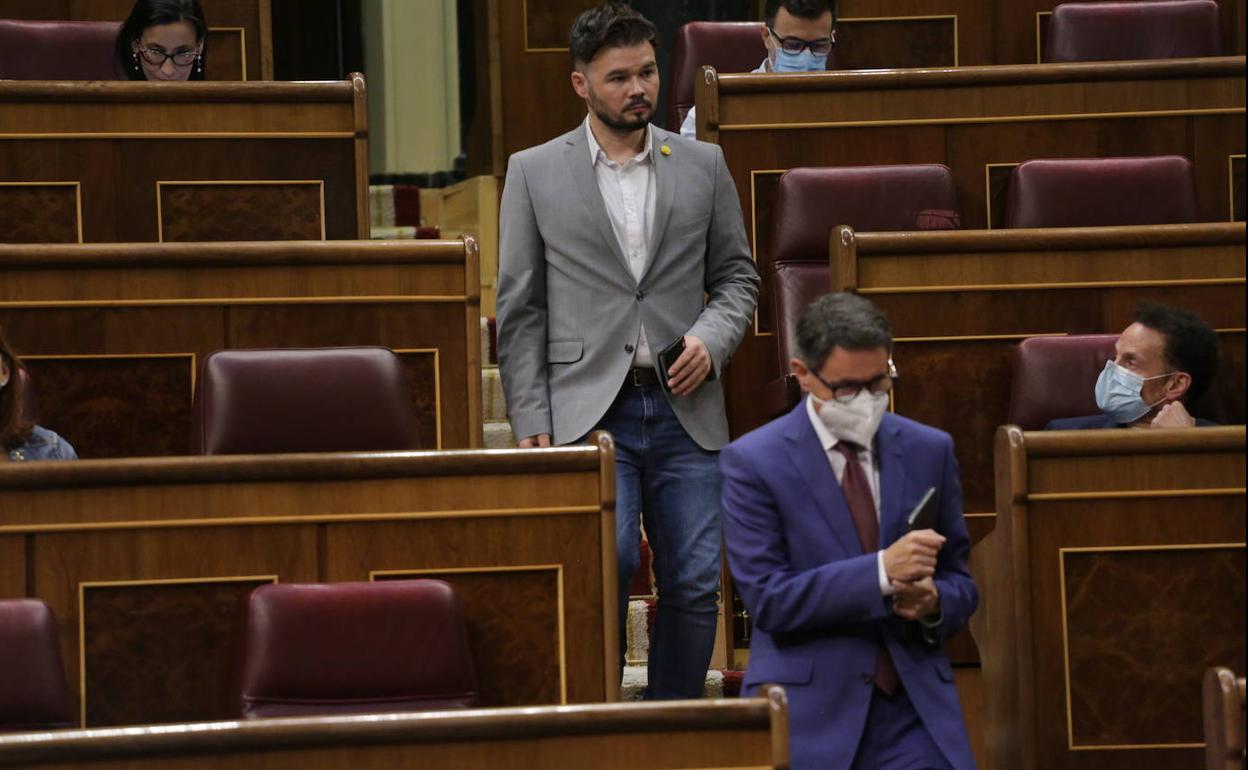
<point>356,648</point>
<point>33,691</point>
<point>1055,377</point>
<point>810,202</point>
<point>303,400</point>
<point>1159,29</point>
<point>58,50</point>
<point>1091,192</point>
<point>728,46</point>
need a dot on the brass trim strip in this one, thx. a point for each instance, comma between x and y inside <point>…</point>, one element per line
<point>324,518</point>
<point>979,121</point>
<point>185,135</point>
<point>1134,494</point>
<point>1061,574</point>
<point>1230,185</point>
<point>82,623</point>
<point>384,299</point>
<point>242,45</point>
<point>1039,49</point>
<point>1035,286</point>
<point>978,337</point>
<point>77,197</point>
<point>160,217</point>
<point>560,604</point>
<point>979,515</point>
<point>524,21</point>
<point>437,383</point>
<point>109,356</point>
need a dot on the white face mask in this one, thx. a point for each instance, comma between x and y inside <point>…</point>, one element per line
<point>856,420</point>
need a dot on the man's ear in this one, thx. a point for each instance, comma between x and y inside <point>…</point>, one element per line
<point>1178,385</point>
<point>768,43</point>
<point>801,372</point>
<point>580,84</point>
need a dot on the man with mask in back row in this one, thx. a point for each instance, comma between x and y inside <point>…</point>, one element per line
<point>799,35</point>
<point>1162,364</point>
<point>852,602</point>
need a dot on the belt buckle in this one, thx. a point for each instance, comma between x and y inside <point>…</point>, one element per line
<point>634,373</point>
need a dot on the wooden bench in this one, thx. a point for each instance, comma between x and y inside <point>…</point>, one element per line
<point>979,121</point>
<point>1224,720</point>
<point>746,733</point>
<point>1114,577</point>
<point>124,162</point>
<point>145,561</point>
<point>114,334</point>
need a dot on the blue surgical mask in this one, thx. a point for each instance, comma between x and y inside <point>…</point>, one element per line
<point>1118,393</point>
<point>806,61</point>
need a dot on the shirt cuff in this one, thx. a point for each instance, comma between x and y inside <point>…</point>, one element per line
<point>886,588</point>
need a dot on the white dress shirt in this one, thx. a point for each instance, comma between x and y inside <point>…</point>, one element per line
<point>628,191</point>
<point>689,126</point>
<point>870,466</point>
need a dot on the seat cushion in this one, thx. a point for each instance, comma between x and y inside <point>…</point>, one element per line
<point>58,50</point>
<point>33,692</point>
<point>1090,192</point>
<point>1158,29</point>
<point>728,46</point>
<point>303,400</point>
<point>336,648</point>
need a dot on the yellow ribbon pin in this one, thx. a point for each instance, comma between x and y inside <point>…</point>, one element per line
<point>665,150</point>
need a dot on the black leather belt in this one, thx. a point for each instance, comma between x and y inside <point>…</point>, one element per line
<point>641,377</point>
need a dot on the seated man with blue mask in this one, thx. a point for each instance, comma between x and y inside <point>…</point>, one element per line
<point>1163,362</point>
<point>799,35</point>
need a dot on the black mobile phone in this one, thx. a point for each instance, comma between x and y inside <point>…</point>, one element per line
<point>667,357</point>
<point>924,514</point>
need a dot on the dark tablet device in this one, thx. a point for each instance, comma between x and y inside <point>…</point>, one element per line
<point>924,514</point>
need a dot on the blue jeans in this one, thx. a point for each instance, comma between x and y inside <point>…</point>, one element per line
<point>662,477</point>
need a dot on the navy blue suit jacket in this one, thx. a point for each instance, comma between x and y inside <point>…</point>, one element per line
<point>814,595</point>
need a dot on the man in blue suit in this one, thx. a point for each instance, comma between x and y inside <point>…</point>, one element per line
<point>850,610</point>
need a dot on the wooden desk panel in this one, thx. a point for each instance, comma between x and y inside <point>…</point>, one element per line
<point>748,733</point>
<point>125,550</point>
<point>151,163</point>
<point>974,120</point>
<point>1115,576</point>
<point>114,334</point>
<point>240,38</point>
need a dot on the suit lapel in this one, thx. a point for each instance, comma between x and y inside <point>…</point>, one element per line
<point>580,166</point>
<point>664,168</point>
<point>892,480</point>
<point>807,456</point>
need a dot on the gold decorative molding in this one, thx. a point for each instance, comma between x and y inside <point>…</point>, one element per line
<point>1230,184</point>
<point>988,167</point>
<point>1053,285</point>
<point>930,17</point>
<point>437,382</point>
<point>111,356</point>
<point>1134,494</point>
<point>952,121</point>
<point>559,601</point>
<point>1039,49</point>
<point>82,625</point>
<point>77,197</point>
<point>242,43</point>
<point>754,173</point>
<point>160,183</point>
<point>1061,573</point>
<point>380,299</point>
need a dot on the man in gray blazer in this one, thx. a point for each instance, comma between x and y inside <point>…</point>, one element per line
<point>619,240</point>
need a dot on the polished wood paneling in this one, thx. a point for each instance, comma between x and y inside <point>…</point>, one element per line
<point>240,41</point>
<point>119,141</point>
<point>970,119</point>
<point>125,550</point>
<point>114,332</point>
<point>1113,577</point>
<point>872,43</point>
<point>751,734</point>
<point>40,213</point>
<point>226,211</point>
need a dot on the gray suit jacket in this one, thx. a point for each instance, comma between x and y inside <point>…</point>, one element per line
<point>569,307</point>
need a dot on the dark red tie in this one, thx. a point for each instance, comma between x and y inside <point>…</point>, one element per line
<point>857,491</point>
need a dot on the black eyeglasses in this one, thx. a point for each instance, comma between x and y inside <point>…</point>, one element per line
<point>157,57</point>
<point>847,390</point>
<point>820,47</point>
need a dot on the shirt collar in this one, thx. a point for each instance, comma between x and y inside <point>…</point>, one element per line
<point>595,149</point>
<point>826,439</point>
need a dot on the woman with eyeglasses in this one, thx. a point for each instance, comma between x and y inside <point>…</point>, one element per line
<point>20,438</point>
<point>163,40</point>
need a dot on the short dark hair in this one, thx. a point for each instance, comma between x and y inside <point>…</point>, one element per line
<point>610,25</point>
<point>15,428</point>
<point>843,320</point>
<point>1191,346</point>
<point>151,13</point>
<point>802,9</point>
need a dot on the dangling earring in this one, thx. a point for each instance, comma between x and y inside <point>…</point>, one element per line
<point>199,65</point>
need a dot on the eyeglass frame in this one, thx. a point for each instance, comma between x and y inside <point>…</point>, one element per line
<point>165,56</point>
<point>783,42</point>
<point>888,378</point>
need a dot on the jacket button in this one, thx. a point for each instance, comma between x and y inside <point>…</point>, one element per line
<point>867,679</point>
<point>628,348</point>
<point>640,296</point>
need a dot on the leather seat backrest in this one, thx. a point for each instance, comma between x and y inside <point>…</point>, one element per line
<point>1157,29</point>
<point>1055,377</point>
<point>1091,192</point>
<point>33,692</point>
<point>728,46</point>
<point>58,50</point>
